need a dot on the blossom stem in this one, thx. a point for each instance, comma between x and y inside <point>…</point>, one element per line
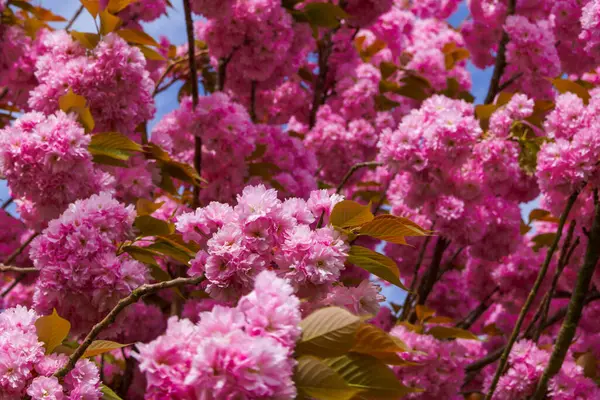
<point>253,101</point>
<point>135,295</point>
<point>575,308</point>
<point>194,83</point>
<point>494,88</point>
<point>532,295</point>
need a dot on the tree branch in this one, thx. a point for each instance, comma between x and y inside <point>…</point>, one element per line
<point>324,50</point>
<point>7,203</point>
<point>74,18</point>
<point>353,169</point>
<point>10,268</point>
<point>575,308</point>
<point>135,295</point>
<point>500,59</point>
<point>531,296</point>
<point>253,101</point>
<point>194,82</point>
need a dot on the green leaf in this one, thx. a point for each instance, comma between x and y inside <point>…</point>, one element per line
<point>52,330</point>
<point>150,226</point>
<point>543,240</point>
<point>387,69</point>
<point>412,88</point>
<point>112,145</point>
<point>86,39</point>
<point>382,103</point>
<point>424,312</point>
<point>313,378</point>
<point>392,229</point>
<point>348,213</point>
<point>102,346</point>
<point>376,263</point>
<point>541,215</point>
<point>142,254</point>
<point>108,394</point>
<point>324,15</point>
<point>265,170</point>
<point>370,375</point>
<point>93,6</point>
<point>448,332</point>
<point>114,6</point>
<point>147,207</point>
<point>137,37</point>
<point>167,249</point>
<point>328,332</point>
<point>566,85</point>
<point>151,54</point>
<point>372,49</point>
<point>108,22</point>
<point>378,343</point>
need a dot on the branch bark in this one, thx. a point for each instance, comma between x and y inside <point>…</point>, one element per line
<point>74,18</point>
<point>194,82</point>
<point>575,308</point>
<point>500,59</point>
<point>135,295</point>
<point>531,297</point>
<point>18,270</point>
<point>324,50</point>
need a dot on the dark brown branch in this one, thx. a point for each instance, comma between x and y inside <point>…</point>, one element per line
<point>135,295</point>
<point>477,312</point>
<point>531,296</point>
<point>575,308</point>
<point>7,203</point>
<point>324,51</point>
<point>189,25</point>
<point>500,60</point>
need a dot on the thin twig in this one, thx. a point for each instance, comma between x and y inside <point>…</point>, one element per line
<point>383,195</point>
<point>7,203</point>
<point>353,169</point>
<point>575,308</point>
<point>474,315</point>
<point>510,81</point>
<point>531,297</point>
<point>13,285</point>
<point>135,295</point>
<point>413,284</point>
<point>15,254</point>
<point>431,274</point>
<point>165,73</point>
<point>74,18</point>
<point>222,72</point>
<point>500,59</point>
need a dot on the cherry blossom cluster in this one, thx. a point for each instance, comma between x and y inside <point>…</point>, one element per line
<point>25,370</point>
<point>47,164</point>
<point>232,352</point>
<point>76,256</point>
<point>113,79</point>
